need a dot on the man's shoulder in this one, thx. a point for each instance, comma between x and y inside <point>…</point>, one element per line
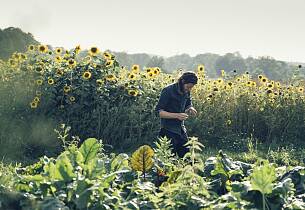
<point>170,87</point>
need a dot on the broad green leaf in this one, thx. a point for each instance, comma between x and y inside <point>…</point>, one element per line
<point>262,178</point>
<point>120,162</point>
<point>65,168</point>
<point>89,149</point>
<point>141,159</point>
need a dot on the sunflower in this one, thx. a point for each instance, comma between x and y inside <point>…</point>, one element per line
<point>107,55</point>
<point>301,89</point>
<point>58,58</point>
<point>94,51</point>
<point>58,50</point>
<point>39,69</point>
<point>34,104</point>
<point>12,62</point>
<point>109,63</point>
<point>135,68</point>
<point>131,76</point>
<point>156,70</point>
<point>72,62</point>
<point>200,68</point>
<point>148,70</point>
<point>133,92</point>
<point>260,77</point>
<point>269,91</point>
<point>77,49</point>
<point>87,59</point>
<point>87,75</point>
<point>264,80</point>
<point>67,88</point>
<point>99,82</point>
<point>270,85</point>
<point>150,75</point>
<point>72,98</point>
<point>36,99</point>
<point>110,77</point>
<point>39,82</point>
<point>38,93</point>
<point>23,56</point>
<point>31,47</point>
<point>50,81</point>
<point>43,48</point>
<point>59,72</point>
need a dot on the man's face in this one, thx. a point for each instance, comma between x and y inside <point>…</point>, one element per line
<point>188,87</point>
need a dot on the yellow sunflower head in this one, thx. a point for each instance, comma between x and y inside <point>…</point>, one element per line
<point>43,48</point>
<point>39,82</point>
<point>110,77</point>
<point>50,81</point>
<point>200,68</point>
<point>34,104</point>
<point>150,75</point>
<point>156,70</point>
<point>59,72</point>
<point>148,70</point>
<point>301,89</point>
<point>107,55</point>
<point>77,49</point>
<point>71,62</point>
<point>31,48</point>
<point>99,82</point>
<point>94,51</point>
<point>67,88</point>
<point>23,56</point>
<point>87,75</point>
<point>58,50</point>
<point>133,92</point>
<point>72,98</point>
<point>109,63</point>
<point>38,93</point>
<point>58,58</point>
<point>132,76</point>
<point>135,68</point>
<point>36,99</point>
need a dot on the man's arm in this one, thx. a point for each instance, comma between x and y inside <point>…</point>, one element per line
<point>170,115</point>
<point>189,106</point>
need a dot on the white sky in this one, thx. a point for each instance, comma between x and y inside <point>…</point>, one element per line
<point>166,27</point>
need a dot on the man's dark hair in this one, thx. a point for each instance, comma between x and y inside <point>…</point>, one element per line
<point>188,77</point>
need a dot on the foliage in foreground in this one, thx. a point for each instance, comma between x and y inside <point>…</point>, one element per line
<point>88,178</point>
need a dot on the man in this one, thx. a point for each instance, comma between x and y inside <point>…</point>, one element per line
<point>175,106</point>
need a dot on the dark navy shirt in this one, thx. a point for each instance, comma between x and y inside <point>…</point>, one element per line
<point>175,101</point>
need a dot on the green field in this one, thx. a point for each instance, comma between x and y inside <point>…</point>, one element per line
<point>74,122</point>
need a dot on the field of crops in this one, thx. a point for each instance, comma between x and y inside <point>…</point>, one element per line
<point>54,99</point>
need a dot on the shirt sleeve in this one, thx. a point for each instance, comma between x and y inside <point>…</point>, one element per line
<point>188,103</point>
<point>163,101</point>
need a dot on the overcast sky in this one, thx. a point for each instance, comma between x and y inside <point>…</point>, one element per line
<point>166,27</point>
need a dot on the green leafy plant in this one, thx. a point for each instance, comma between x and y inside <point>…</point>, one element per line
<point>262,179</point>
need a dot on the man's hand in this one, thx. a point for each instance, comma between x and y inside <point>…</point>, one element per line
<point>181,116</point>
<point>191,111</point>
